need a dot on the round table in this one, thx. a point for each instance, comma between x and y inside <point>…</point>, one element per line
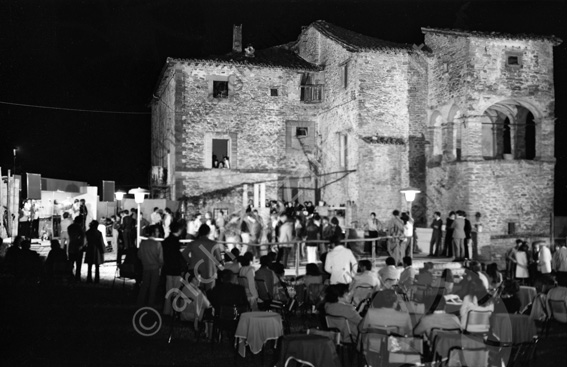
<point>316,349</point>
<point>255,328</point>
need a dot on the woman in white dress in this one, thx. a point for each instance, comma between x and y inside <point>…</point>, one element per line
<point>522,273</point>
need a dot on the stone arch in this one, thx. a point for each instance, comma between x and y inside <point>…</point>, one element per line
<point>511,132</point>
<point>454,131</point>
<point>436,126</point>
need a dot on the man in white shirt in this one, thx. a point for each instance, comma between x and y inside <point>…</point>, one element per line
<point>155,217</point>
<point>560,265</point>
<point>544,258</point>
<point>340,263</point>
<point>389,274</point>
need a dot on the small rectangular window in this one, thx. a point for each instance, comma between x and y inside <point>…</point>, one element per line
<point>301,132</point>
<point>345,75</point>
<point>273,92</point>
<point>343,150</point>
<point>220,89</point>
<point>513,60</point>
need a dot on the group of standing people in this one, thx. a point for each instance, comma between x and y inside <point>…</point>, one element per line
<point>458,235</point>
<point>529,265</point>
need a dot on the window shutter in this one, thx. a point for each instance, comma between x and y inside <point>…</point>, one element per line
<point>207,151</point>
<point>289,130</point>
<point>233,150</point>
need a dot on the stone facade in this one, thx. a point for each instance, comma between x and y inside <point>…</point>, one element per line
<point>467,118</point>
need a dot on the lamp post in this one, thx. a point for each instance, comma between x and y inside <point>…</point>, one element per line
<point>139,195</point>
<point>409,194</point>
<point>119,196</point>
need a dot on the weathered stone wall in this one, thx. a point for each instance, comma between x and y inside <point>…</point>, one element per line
<point>502,191</point>
<point>337,115</point>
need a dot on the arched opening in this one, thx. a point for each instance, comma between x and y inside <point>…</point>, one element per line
<point>510,131</point>
<point>454,132</point>
<point>436,125</point>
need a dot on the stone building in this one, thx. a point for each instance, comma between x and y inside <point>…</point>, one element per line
<point>467,118</point>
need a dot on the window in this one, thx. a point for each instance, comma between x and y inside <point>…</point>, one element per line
<point>513,59</point>
<point>220,89</point>
<point>301,132</point>
<point>344,75</point>
<point>273,92</point>
<point>311,91</point>
<point>300,136</point>
<point>343,150</point>
<point>216,147</point>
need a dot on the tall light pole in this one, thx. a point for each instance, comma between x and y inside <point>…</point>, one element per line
<point>409,194</point>
<point>15,150</point>
<point>139,195</point>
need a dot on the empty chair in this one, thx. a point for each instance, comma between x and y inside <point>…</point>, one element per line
<point>467,357</point>
<point>478,322</point>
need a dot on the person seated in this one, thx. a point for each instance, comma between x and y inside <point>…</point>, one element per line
<point>56,260</point>
<point>226,293</point>
<point>437,319</point>
<point>231,261</point>
<point>509,298</point>
<point>30,261</point>
<point>407,277</point>
<point>194,302</point>
<point>14,257</point>
<point>389,273</point>
<point>386,314</point>
<point>424,277</point>
<point>446,282</point>
<point>337,303</point>
<point>365,276</point>
<point>476,267</point>
<point>312,275</point>
<point>266,275</point>
<point>476,298</point>
<point>247,271</point>
<point>494,276</point>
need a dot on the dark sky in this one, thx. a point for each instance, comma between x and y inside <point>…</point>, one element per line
<point>107,54</point>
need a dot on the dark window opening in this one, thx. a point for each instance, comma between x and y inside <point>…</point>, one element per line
<point>220,89</point>
<point>507,138</point>
<point>273,92</point>
<point>220,151</point>
<point>301,132</point>
<point>530,137</point>
<point>345,75</point>
<point>513,60</point>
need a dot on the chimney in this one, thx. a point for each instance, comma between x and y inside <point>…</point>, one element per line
<point>237,38</point>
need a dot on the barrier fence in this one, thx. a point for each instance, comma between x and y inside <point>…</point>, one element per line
<point>298,243</point>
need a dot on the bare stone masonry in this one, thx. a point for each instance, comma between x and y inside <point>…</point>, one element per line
<point>337,116</point>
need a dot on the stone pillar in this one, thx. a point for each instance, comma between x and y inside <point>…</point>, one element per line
<point>262,195</point>
<point>245,195</point>
<point>545,139</point>
<point>472,137</point>
<point>256,195</point>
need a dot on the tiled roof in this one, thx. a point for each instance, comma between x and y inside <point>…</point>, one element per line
<point>528,37</point>
<point>274,57</point>
<point>356,42</point>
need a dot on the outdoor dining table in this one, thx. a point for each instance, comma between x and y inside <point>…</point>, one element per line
<point>256,328</point>
<point>526,295</point>
<point>316,349</point>
<point>445,341</point>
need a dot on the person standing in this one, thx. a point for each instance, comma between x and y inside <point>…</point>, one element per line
<point>95,251</point>
<point>560,265</point>
<point>449,234</point>
<point>83,212</point>
<point>64,237</point>
<point>511,259</point>
<point>76,245</point>
<point>395,230</point>
<point>155,217</point>
<point>173,263</point>
<point>313,233</point>
<point>285,235</point>
<point>522,272</point>
<point>544,258</point>
<point>408,233</point>
<point>468,254</point>
<point>150,254</point>
<point>435,248</point>
<point>459,236</point>
<point>205,255</point>
<point>373,225</point>
<point>167,219</point>
<point>128,229</point>
<point>326,234</point>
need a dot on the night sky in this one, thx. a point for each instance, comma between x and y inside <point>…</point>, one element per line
<point>106,55</point>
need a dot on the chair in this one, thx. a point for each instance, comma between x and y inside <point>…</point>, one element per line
<point>467,357</point>
<point>478,322</point>
<point>335,336</point>
<point>123,272</point>
<point>226,319</point>
<point>384,346</point>
<point>432,337</point>
<point>341,325</point>
<point>292,361</point>
<point>315,294</point>
<point>361,293</point>
<point>557,312</point>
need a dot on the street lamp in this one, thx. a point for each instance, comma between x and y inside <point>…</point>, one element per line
<point>119,196</point>
<point>139,195</point>
<point>409,194</point>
